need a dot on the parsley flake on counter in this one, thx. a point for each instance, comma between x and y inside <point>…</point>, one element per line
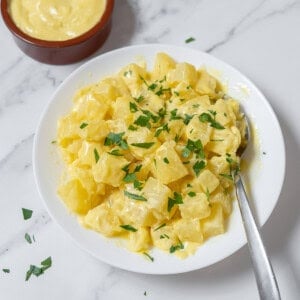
<point>96,154</point>
<point>149,256</point>
<point>27,213</point>
<point>37,271</point>
<point>135,196</point>
<point>6,270</point>
<point>28,238</point>
<point>145,293</point>
<point>143,145</point>
<point>189,40</point>
<point>53,142</point>
<point>83,125</point>
<point>128,228</point>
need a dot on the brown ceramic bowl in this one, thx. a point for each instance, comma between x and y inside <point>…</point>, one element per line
<point>61,52</point>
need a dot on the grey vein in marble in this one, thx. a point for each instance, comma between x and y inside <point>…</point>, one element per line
<point>18,239</point>
<point>10,154</point>
<point>236,28</point>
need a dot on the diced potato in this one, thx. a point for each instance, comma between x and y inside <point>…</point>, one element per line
<point>121,107</point>
<point>183,72</point>
<point>164,238</point>
<point>196,207</point>
<point>151,102</point>
<point>140,136</point>
<point>195,105</point>
<point>176,129</point>
<point>168,164</point>
<point>103,220</point>
<point>228,139</point>
<point>68,129</point>
<point>208,181</point>
<point>139,240</point>
<point>157,195</point>
<point>215,223</point>
<point>188,230</point>
<point>70,152</point>
<point>206,84</point>
<point>86,154</point>
<point>196,130</point>
<point>95,131</point>
<point>225,113</point>
<point>222,197</point>
<point>162,65</point>
<point>109,169</point>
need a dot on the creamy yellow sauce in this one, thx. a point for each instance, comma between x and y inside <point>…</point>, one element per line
<point>56,20</point>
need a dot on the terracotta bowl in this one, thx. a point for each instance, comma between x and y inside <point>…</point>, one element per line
<point>61,52</point>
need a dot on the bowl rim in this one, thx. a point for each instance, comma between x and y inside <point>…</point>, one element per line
<point>17,32</point>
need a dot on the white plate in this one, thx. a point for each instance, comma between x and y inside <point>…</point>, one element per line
<point>265,174</point>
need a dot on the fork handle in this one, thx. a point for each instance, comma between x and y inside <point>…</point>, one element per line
<point>264,274</point>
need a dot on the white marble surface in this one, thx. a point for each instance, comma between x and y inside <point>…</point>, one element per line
<point>261,38</point>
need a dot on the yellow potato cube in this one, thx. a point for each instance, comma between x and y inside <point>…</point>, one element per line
<point>121,108</point>
<point>198,130</point>
<point>139,240</point>
<point>208,181</point>
<point>164,238</point>
<point>162,65</point>
<point>168,166</point>
<point>95,131</point>
<point>196,207</point>
<point>183,72</point>
<point>215,223</point>
<point>222,197</point>
<point>68,129</point>
<point>103,220</point>
<point>109,169</point>
<point>86,154</point>
<point>188,230</point>
<point>157,195</point>
<point>206,84</point>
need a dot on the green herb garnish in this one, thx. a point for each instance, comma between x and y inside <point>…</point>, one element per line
<point>176,200</point>
<point>166,160</point>
<point>96,154</point>
<point>174,115</point>
<point>133,107</point>
<point>162,128</point>
<point>27,213</point>
<point>128,228</point>
<point>189,40</point>
<point>187,119</point>
<point>143,145</point>
<point>192,194</point>
<point>135,196</point>
<point>129,177</point>
<point>177,247</point>
<point>161,226</point>
<point>143,121</point>
<point>28,238</point>
<point>115,152</point>
<point>198,166</point>
<point>6,270</point>
<point>116,139</point>
<point>37,271</point>
<point>83,125</point>
<point>207,118</point>
<point>149,256</point>
<point>164,236</point>
<point>139,99</point>
<point>193,146</point>
<point>132,128</point>
<point>228,176</point>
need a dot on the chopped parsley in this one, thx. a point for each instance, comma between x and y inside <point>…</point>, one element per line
<point>127,73</point>
<point>264,153</point>
<point>177,247</point>
<point>176,93</point>
<point>83,125</point>
<point>145,293</point>
<point>37,271</point>
<point>27,213</point>
<point>161,226</point>
<point>128,228</point>
<point>133,107</point>
<point>162,90</point>
<point>137,185</point>
<point>96,154</point>
<point>174,115</point>
<point>227,176</point>
<point>189,40</point>
<point>216,140</point>
<point>129,177</point>
<point>198,166</point>
<point>135,196</point>
<point>143,145</point>
<point>149,256</point>
<point>115,152</point>
<point>139,99</point>
<point>6,270</point>
<point>53,142</point>
<point>143,121</point>
<point>207,193</point>
<point>187,119</point>
<point>166,160</point>
<point>162,128</point>
<point>176,200</point>
<point>116,139</point>
<point>164,236</point>
<point>192,194</point>
<point>132,128</point>
<point>207,118</point>
<point>28,238</point>
<point>193,146</point>
<point>195,105</point>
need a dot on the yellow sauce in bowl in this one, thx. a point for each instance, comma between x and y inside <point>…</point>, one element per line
<point>56,20</point>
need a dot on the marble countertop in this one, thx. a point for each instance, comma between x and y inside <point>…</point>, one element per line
<point>260,38</point>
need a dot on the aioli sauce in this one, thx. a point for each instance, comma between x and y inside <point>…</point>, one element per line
<point>56,20</point>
